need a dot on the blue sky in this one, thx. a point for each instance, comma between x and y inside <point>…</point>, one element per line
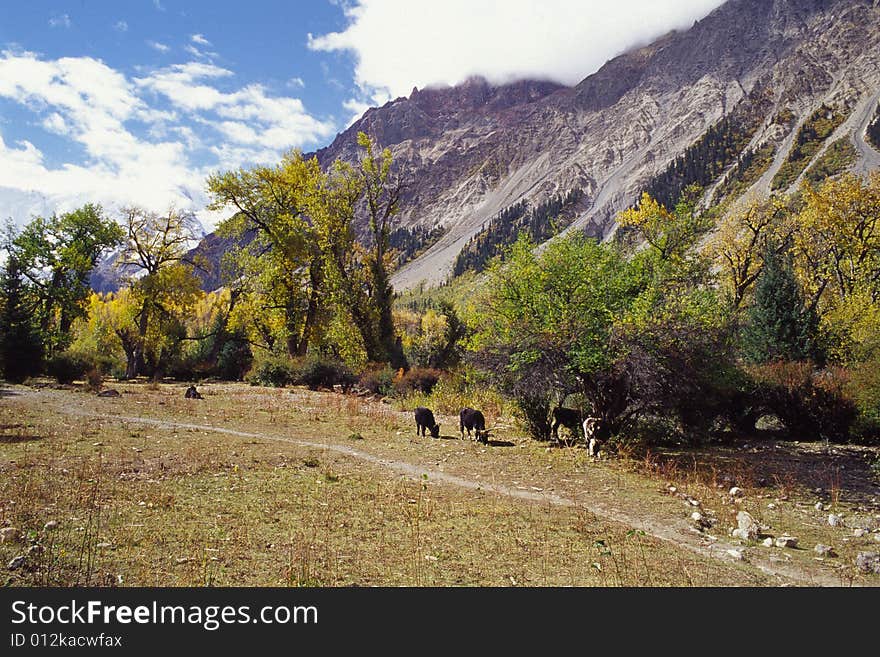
<point>136,101</point>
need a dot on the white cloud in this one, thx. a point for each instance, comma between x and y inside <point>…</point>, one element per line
<point>247,116</point>
<point>158,5</point>
<point>121,26</point>
<point>161,47</point>
<point>404,43</point>
<point>200,39</point>
<point>296,83</point>
<point>148,141</point>
<point>60,21</point>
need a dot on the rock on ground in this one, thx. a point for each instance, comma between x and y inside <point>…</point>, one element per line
<point>868,562</point>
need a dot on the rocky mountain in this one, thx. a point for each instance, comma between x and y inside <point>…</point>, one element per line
<point>753,97</point>
<point>769,67</point>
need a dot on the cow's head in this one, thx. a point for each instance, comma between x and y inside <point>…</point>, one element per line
<point>435,431</point>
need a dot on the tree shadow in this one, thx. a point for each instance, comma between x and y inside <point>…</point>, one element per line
<point>848,472</point>
<point>10,438</point>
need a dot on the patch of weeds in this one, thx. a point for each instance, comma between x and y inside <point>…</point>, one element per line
<point>311,462</point>
<point>355,436</point>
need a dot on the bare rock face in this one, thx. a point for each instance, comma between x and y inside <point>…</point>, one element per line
<point>473,150</point>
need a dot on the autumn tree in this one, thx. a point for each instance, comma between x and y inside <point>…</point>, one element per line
<point>284,259</point>
<point>161,281</point>
<point>837,240</point>
<point>743,236</point>
<point>672,234</point>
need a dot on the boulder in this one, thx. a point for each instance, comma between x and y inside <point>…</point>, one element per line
<point>868,562</point>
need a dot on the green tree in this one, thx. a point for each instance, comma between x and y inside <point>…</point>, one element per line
<point>20,347</point>
<point>57,256</point>
<point>780,325</point>
<point>382,190</point>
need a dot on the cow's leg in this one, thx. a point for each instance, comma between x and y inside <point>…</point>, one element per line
<point>592,448</point>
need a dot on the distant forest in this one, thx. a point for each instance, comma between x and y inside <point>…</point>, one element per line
<point>409,243</point>
<point>722,145</point>
<point>502,230</point>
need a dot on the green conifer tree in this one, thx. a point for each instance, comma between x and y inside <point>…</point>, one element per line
<point>20,346</point>
<point>779,325</point>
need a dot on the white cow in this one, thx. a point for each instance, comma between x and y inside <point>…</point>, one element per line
<point>591,426</point>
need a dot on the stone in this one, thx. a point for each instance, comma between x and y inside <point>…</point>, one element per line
<point>747,527</point>
<point>696,516</point>
<point>49,526</point>
<point>821,507</point>
<point>109,393</point>
<point>736,554</point>
<point>786,542</point>
<point>768,542</point>
<point>16,562</point>
<point>824,550</point>
<point>858,533</point>
<point>868,562</point>
<point>736,491</point>
<point>10,535</point>
<point>835,520</point>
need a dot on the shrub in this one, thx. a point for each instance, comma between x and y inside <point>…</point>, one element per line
<point>811,404</point>
<point>67,367</point>
<point>272,370</point>
<point>234,360</point>
<point>94,380</point>
<point>378,379</point>
<point>321,372</point>
<point>417,379</point>
<point>863,386</point>
<point>536,414</point>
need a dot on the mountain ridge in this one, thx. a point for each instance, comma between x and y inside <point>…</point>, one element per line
<point>476,149</point>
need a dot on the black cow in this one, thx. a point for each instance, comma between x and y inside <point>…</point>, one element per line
<point>566,417</point>
<point>425,420</point>
<point>192,393</point>
<point>471,419</point>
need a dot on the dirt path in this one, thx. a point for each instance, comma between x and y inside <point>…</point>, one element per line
<point>672,530</point>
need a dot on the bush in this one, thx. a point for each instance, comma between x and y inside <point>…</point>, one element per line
<point>811,404</point>
<point>322,372</point>
<point>417,379</point>
<point>67,367</point>
<point>863,386</point>
<point>536,414</point>
<point>94,380</point>
<point>273,370</point>
<point>234,360</point>
<point>378,379</point>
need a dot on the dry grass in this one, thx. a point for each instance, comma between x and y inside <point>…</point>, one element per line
<point>151,505</point>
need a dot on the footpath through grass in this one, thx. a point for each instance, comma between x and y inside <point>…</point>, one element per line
<point>129,503</point>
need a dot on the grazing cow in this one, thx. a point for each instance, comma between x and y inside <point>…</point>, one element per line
<point>425,420</point>
<point>471,419</point>
<point>592,427</point>
<point>566,417</point>
<point>192,393</point>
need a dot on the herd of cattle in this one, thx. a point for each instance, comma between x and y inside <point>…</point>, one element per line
<point>473,420</point>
